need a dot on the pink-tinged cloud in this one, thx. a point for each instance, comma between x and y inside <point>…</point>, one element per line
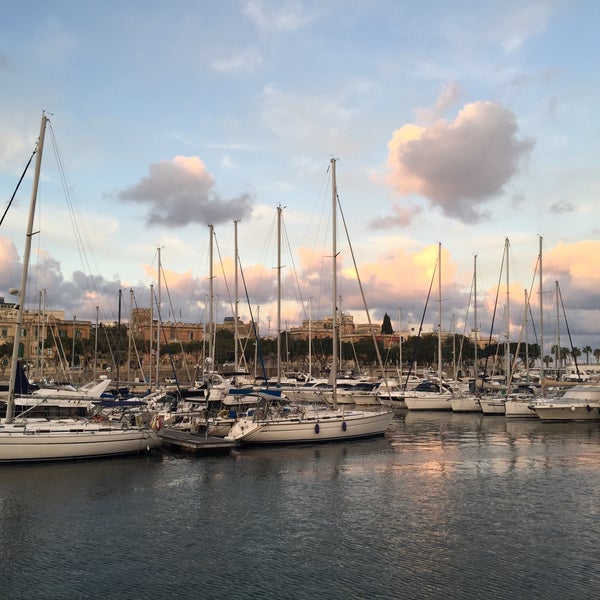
<point>179,192</point>
<point>401,216</point>
<point>575,267</point>
<point>396,275</point>
<point>459,165</point>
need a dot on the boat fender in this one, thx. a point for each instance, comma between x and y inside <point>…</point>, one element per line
<point>317,428</point>
<point>588,408</point>
<point>572,408</point>
<point>344,426</point>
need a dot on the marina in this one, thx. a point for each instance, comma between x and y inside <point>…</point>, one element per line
<point>445,505</point>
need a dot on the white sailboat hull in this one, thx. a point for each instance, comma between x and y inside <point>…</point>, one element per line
<point>519,409</point>
<point>435,402</point>
<point>326,426</point>
<point>64,440</point>
<point>492,406</point>
<point>465,404</point>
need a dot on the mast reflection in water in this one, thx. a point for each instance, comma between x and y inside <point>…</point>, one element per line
<point>447,505</point>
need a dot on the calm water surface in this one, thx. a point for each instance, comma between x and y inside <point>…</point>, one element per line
<point>446,506</point>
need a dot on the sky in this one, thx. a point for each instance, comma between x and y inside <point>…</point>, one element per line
<point>466,126</point>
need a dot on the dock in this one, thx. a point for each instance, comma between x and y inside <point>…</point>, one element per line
<point>197,443</point>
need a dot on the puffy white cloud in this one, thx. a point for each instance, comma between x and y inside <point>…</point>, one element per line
<point>180,192</point>
<point>459,165</point>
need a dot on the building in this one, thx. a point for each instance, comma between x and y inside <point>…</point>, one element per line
<point>42,335</point>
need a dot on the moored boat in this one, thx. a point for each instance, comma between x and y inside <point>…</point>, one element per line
<point>579,403</point>
<point>25,439</point>
<point>71,439</point>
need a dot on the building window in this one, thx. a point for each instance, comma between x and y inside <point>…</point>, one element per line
<point>4,332</point>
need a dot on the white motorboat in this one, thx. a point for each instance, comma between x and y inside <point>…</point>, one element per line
<point>579,403</point>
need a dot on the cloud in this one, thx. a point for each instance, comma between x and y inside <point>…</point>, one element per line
<point>402,216</point>
<point>520,25</point>
<point>244,60</point>
<point>287,16</point>
<point>309,121</point>
<point>180,192</point>
<point>459,165</point>
<point>450,94</point>
<point>559,208</point>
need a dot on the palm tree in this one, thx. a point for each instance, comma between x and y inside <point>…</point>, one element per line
<point>597,355</point>
<point>587,350</point>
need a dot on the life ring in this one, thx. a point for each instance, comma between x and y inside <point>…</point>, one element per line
<point>223,414</point>
<point>157,422</point>
<point>98,418</point>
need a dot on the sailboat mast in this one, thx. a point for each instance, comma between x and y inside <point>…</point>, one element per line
<point>541,318</point>
<point>507,344</point>
<point>400,343</point>
<point>334,353</point>
<point>309,338</point>
<point>236,332</point>
<point>118,357</point>
<point>557,350</point>
<point>10,404</point>
<point>158,320</point>
<point>96,345</point>
<point>151,335</point>
<point>475,316</point>
<point>211,346</point>
<point>279,294</point>
<point>440,316</point>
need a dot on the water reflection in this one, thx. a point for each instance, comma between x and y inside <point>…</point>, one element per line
<point>445,504</point>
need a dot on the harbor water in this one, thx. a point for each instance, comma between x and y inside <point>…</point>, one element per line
<point>445,506</point>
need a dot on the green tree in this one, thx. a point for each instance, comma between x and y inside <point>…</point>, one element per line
<point>575,353</point>
<point>587,350</point>
<point>386,326</point>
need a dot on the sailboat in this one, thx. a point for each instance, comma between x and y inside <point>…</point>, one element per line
<point>275,421</point>
<point>519,404</point>
<point>434,395</point>
<point>493,403</point>
<point>29,439</point>
<point>470,402</point>
<point>53,402</point>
